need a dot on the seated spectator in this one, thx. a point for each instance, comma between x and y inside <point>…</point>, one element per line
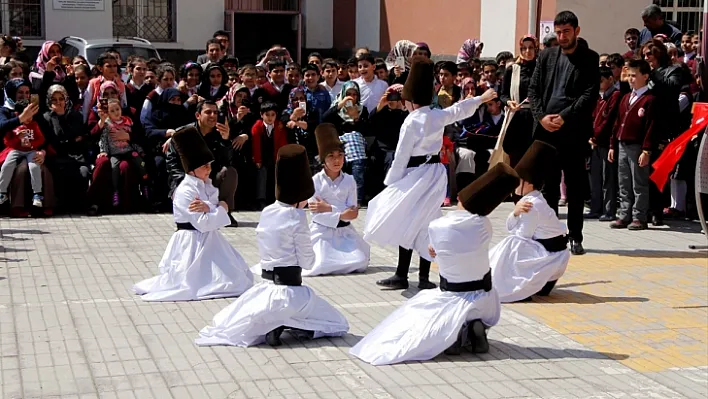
<point>20,189</point>
<point>217,137</point>
<point>67,135</point>
<point>107,64</point>
<point>165,75</point>
<point>137,89</point>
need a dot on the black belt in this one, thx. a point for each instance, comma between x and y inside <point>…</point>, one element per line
<point>342,223</point>
<point>414,162</point>
<point>484,284</point>
<point>555,244</point>
<point>185,226</point>
<point>289,275</point>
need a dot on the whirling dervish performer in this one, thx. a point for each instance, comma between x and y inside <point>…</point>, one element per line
<point>198,262</point>
<point>458,313</point>
<point>535,255</point>
<point>280,302</point>
<point>339,249</point>
<point>417,181</point>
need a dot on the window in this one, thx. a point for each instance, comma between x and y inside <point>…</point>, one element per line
<point>153,20</point>
<point>21,18</point>
<point>686,15</point>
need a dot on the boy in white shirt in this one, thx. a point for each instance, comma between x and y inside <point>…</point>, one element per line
<point>371,88</point>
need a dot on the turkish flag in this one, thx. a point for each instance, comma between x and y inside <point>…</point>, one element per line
<point>673,152</point>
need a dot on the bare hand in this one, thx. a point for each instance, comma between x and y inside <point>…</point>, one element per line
<point>397,70</point>
<point>549,123</point>
<point>488,95</point>
<point>611,155</point>
<point>170,132</point>
<point>258,165</point>
<point>557,119</point>
<point>522,207</point>
<point>120,135</point>
<point>39,157</point>
<point>242,111</point>
<point>291,124</point>
<point>353,112</point>
<point>239,141</point>
<point>182,86</point>
<point>79,138</point>
<point>431,251</point>
<point>198,206</point>
<point>102,155</point>
<point>52,64</point>
<point>166,146</point>
<point>592,143</point>
<point>513,105</point>
<point>297,114</point>
<point>644,160</point>
<point>224,130</point>
<point>320,206</point>
<point>344,102</point>
<point>349,214</point>
<point>29,113</point>
<point>193,99</point>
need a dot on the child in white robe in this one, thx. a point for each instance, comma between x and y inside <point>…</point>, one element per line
<point>339,249</point>
<point>416,182</point>
<point>457,314</point>
<point>198,262</point>
<point>535,255</point>
<point>281,301</point>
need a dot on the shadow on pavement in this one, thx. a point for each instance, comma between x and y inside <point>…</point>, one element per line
<point>582,284</point>
<point>581,298</point>
<point>5,232</point>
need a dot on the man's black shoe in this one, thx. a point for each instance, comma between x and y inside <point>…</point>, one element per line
<point>576,248</point>
<point>478,337</point>
<point>394,282</point>
<point>273,337</point>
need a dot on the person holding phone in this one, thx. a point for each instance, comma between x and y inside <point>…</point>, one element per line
<point>385,124</point>
<point>48,60</point>
<point>300,122</point>
<point>398,61</point>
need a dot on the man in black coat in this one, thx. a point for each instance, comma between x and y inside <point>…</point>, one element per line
<point>563,93</point>
<point>216,134</point>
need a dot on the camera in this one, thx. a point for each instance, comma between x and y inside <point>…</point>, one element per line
<point>393,96</point>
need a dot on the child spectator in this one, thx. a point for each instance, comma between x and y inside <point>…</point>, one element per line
<point>352,69</point>
<point>631,145</point>
<point>22,142</point>
<point>248,75</point>
<point>370,88</point>
<point>463,72</point>
<point>445,154</point>
<point>120,150</point>
<point>631,38</point>
<point>448,92</point>
<point>294,74</point>
<point>381,70</point>
<point>268,135</point>
<point>331,80</point>
<point>137,89</point>
<point>213,86</point>
<point>603,173</point>
<point>233,78</point>
<point>342,72</point>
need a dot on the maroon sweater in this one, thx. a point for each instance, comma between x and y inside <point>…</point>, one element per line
<point>605,115</point>
<point>635,123</point>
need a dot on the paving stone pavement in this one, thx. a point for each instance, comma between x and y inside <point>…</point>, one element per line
<point>628,320</point>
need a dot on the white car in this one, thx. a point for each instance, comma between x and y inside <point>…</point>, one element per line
<point>91,49</point>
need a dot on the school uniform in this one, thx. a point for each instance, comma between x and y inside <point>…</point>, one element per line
<point>198,263</point>
<point>466,304</point>
<point>603,173</point>
<point>136,95</point>
<point>266,141</point>
<point>535,255</point>
<point>280,301</point>
<point>279,95</point>
<point>371,92</point>
<point>633,133</point>
<point>339,249</point>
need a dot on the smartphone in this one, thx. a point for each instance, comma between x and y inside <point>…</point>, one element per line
<point>393,96</point>
<point>401,62</point>
<point>34,99</point>
<point>303,105</point>
<point>348,104</point>
<point>221,118</point>
<point>103,104</point>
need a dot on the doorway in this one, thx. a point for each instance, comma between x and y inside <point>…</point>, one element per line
<point>254,33</point>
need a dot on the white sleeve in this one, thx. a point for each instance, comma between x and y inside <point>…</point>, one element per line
<point>404,149</point>
<point>123,99</point>
<point>526,223</point>
<point>303,243</point>
<point>88,96</point>
<point>461,110</point>
<point>683,102</point>
<point>145,111</point>
<point>329,219</point>
<point>203,222</point>
<point>352,198</point>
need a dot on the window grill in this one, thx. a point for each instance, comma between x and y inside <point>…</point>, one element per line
<point>687,15</point>
<point>22,18</point>
<point>153,20</point>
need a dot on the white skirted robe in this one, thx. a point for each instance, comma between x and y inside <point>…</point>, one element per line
<point>400,214</point>
<point>283,241</point>
<point>200,263</point>
<point>521,266</point>
<point>430,322</point>
<point>338,250</point>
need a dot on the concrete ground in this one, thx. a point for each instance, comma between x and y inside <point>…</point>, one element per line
<point>629,319</point>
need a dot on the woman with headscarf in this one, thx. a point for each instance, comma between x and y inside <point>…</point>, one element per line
<point>470,49</point>
<point>101,191</point>
<point>66,133</point>
<point>515,136</point>
<point>20,188</point>
<point>402,50</point>
<point>213,86</point>
<point>49,70</point>
<point>300,123</point>
<point>166,116</point>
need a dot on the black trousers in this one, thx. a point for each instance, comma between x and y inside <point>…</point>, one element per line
<point>571,163</point>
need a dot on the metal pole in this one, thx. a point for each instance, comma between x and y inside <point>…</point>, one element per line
<point>704,44</point>
<point>533,25</point>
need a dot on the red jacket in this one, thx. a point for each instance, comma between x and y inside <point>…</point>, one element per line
<point>604,117</point>
<point>13,139</point>
<point>258,132</point>
<point>635,123</point>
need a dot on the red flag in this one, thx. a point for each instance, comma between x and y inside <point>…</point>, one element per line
<point>673,152</point>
